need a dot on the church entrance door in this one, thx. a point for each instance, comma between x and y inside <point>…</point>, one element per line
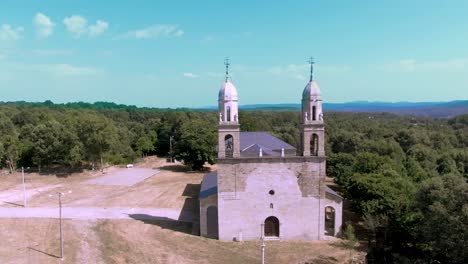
<point>272,227</point>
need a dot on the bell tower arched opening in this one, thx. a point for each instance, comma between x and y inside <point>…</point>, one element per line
<point>314,145</point>
<point>229,145</point>
<point>314,113</point>
<point>228,114</point>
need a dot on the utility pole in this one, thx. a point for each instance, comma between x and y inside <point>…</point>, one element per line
<point>60,194</point>
<point>170,148</point>
<point>60,217</point>
<point>24,188</point>
<point>263,243</point>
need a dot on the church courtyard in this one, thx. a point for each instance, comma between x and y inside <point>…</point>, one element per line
<point>149,221</point>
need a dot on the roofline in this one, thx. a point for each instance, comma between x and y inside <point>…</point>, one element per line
<point>270,159</point>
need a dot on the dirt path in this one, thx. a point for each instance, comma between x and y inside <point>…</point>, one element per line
<point>87,213</point>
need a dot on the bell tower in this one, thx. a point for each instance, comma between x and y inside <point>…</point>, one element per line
<point>312,126</point>
<point>228,128</point>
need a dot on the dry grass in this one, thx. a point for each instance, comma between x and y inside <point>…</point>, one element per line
<point>136,241</point>
<point>133,241</point>
<point>168,189</point>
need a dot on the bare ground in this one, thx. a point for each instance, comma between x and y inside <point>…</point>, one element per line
<point>134,241</point>
<point>138,240</point>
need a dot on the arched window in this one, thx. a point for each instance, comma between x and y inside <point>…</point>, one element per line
<point>314,113</point>
<point>272,227</point>
<point>229,145</point>
<point>212,222</point>
<point>314,145</point>
<point>329,221</point>
<point>228,114</point>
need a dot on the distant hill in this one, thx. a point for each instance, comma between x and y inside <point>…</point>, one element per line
<point>433,109</point>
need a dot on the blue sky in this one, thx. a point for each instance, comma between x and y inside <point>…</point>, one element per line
<point>171,53</point>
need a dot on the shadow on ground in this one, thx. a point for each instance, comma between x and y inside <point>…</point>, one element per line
<point>15,204</point>
<point>191,203</point>
<point>183,168</point>
<point>43,252</point>
<point>164,223</point>
<point>322,260</point>
<point>175,168</point>
<point>188,221</point>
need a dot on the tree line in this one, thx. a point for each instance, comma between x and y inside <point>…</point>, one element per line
<point>405,176</point>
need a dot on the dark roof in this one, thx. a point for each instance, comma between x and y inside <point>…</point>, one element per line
<point>252,142</point>
<point>209,185</point>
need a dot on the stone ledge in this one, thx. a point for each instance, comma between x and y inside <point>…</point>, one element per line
<point>296,159</point>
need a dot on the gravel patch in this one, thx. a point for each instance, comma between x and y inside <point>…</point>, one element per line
<point>124,177</point>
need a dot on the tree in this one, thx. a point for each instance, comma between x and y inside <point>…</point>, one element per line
<point>350,240</point>
<point>340,166</point>
<point>50,142</point>
<point>8,142</point>
<point>196,144</point>
<point>96,133</point>
<point>443,204</point>
<point>145,143</point>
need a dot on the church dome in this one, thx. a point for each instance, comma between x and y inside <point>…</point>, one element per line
<point>311,90</point>
<point>228,92</point>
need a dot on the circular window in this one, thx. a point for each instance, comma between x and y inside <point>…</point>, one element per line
<point>271,192</point>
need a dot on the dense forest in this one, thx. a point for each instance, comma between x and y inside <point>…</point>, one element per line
<point>405,176</point>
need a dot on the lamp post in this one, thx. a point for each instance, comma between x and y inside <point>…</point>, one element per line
<point>60,194</point>
<point>170,148</point>
<point>24,188</point>
<point>263,243</point>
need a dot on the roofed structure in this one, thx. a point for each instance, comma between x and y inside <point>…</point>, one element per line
<point>252,142</point>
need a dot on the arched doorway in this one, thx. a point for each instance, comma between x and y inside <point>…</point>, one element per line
<point>212,222</point>
<point>229,145</point>
<point>329,221</point>
<point>272,227</point>
<point>314,145</point>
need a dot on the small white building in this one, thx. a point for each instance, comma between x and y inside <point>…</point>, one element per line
<point>264,185</point>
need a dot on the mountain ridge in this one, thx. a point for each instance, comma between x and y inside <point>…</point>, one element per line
<point>433,109</point>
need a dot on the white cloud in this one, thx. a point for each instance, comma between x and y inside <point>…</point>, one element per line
<point>9,33</point>
<point>44,25</point>
<point>78,26</point>
<point>412,65</point>
<point>66,70</point>
<point>179,33</point>
<point>70,70</point>
<point>190,75</point>
<point>98,28</point>
<point>155,31</point>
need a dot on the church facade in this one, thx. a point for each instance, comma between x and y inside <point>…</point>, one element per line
<point>266,187</point>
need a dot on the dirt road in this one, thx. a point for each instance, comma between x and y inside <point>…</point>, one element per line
<point>91,213</point>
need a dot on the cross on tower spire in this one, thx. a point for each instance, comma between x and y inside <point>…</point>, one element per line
<point>311,62</point>
<point>226,62</point>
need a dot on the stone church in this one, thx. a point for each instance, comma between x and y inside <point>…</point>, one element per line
<point>266,187</point>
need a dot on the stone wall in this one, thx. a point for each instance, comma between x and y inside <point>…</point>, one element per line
<point>244,199</point>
